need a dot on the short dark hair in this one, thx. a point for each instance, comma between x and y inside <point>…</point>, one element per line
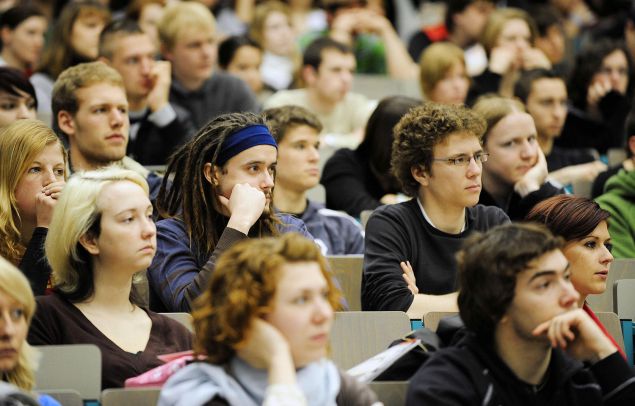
<point>420,130</point>
<point>116,28</point>
<point>488,266</point>
<point>313,53</point>
<point>570,217</point>
<point>16,15</point>
<point>522,88</point>
<point>455,7</point>
<point>230,45</point>
<point>12,81</point>
<point>282,119</point>
<point>545,16</point>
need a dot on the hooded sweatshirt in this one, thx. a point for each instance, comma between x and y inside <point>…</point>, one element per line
<point>619,200</point>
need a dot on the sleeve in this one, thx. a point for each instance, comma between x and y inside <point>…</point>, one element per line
<point>175,274</point>
<point>353,392</point>
<point>354,236</point>
<point>343,180</point>
<point>45,328</point>
<point>383,287</point>
<point>34,264</point>
<point>486,82</point>
<point>520,210</point>
<point>173,133</point>
<point>622,231</point>
<point>244,98</point>
<point>616,379</point>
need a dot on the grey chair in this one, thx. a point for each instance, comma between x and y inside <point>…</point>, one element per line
<point>76,367</point>
<point>390,393</point>
<point>357,336</point>
<point>66,397</point>
<point>131,396</point>
<point>183,318</point>
<point>348,271</point>
<point>431,319</point>
<point>611,322</point>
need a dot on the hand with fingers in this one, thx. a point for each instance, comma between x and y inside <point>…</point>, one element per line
<point>409,276</point>
<point>245,206</point>
<point>45,202</point>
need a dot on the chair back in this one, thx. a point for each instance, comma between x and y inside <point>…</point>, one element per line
<point>76,367</point>
<point>183,318</point>
<point>620,269</point>
<point>431,319</point>
<point>624,299</point>
<point>67,397</point>
<point>611,322</point>
<point>348,271</point>
<point>130,396</point>
<point>357,336</point>
<point>390,393</point>
<point>364,216</point>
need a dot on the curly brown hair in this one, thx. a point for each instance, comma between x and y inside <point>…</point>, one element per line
<point>423,127</point>
<point>243,287</point>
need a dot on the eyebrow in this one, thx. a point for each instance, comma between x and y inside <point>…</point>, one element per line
<point>259,163</point>
<point>133,210</point>
<point>547,272</point>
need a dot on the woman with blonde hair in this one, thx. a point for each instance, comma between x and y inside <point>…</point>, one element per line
<point>263,324</point>
<point>32,175</point>
<point>443,75</point>
<point>104,235</point>
<point>17,305</point>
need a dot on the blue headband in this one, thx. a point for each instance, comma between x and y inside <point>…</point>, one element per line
<point>244,139</point>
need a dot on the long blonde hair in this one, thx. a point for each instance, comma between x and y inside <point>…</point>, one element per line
<point>15,285</point>
<point>20,144</point>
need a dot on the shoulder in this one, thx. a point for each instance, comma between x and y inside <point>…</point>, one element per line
<point>171,225</point>
<point>484,217</point>
<point>399,210</point>
<point>51,303</point>
<point>197,383</point>
<point>290,224</point>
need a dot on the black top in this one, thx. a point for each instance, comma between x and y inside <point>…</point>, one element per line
<point>598,184</point>
<point>34,264</point>
<point>57,321</point>
<point>471,373</point>
<point>518,207</point>
<point>399,232</point>
<point>562,157</point>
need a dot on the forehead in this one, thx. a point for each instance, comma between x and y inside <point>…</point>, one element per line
<point>260,153</point>
<point>121,195</point>
<point>457,143</point>
<point>300,132</point>
<point>194,34</point>
<point>513,125</point>
<point>549,261</point>
<point>548,87</point>
<point>616,57</point>
<point>333,57</point>
<point>515,26</point>
<point>8,300</point>
<point>290,282</point>
<point>127,45</point>
<point>101,93</point>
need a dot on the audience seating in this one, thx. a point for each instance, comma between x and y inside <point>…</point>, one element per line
<point>625,309</point>
<point>391,393</point>
<point>431,319</point>
<point>582,187</point>
<point>377,87</point>
<point>620,269</point>
<point>357,336</point>
<point>66,397</point>
<point>76,367</point>
<point>612,324</point>
<point>183,318</point>
<point>131,396</point>
<point>348,271</point>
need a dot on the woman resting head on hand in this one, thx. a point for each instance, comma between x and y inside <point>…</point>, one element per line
<point>264,324</point>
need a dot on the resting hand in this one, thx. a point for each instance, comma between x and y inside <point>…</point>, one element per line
<point>578,334</point>
<point>161,76</point>
<point>45,202</point>
<point>534,178</point>
<point>596,91</point>
<point>534,58</point>
<point>409,276</point>
<point>502,60</point>
<point>245,206</point>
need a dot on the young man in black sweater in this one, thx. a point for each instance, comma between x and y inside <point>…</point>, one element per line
<point>409,260</point>
<point>527,342</point>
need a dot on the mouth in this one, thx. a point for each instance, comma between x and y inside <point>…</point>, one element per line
<point>8,353</point>
<point>116,138</point>
<point>313,172</point>
<point>473,188</point>
<point>603,274</point>
<point>320,338</point>
<point>148,248</point>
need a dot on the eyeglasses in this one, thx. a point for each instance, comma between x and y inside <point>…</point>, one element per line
<point>464,160</point>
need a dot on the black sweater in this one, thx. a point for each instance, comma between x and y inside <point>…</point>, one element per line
<point>399,232</point>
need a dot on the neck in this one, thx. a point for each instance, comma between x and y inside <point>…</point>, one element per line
<point>318,103</point>
<point>289,201</point>
<point>581,300</point>
<point>529,359</point>
<point>459,38</point>
<point>80,163</point>
<point>496,188</point>
<point>190,84</point>
<point>137,103</point>
<point>112,289</point>
<point>13,62</point>
<point>546,144</point>
<point>446,218</point>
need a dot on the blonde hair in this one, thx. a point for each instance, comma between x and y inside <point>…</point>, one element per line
<point>261,12</point>
<point>76,215</point>
<point>435,62</point>
<point>15,285</point>
<point>496,22</point>
<point>181,16</point>
<point>494,108</point>
<point>20,144</point>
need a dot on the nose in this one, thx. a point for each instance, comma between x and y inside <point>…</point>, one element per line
<point>146,65</point>
<point>527,150</point>
<point>569,297</point>
<point>7,327</point>
<point>117,118</point>
<point>149,229</point>
<point>267,180</point>
<point>607,257</point>
<point>23,111</point>
<point>314,154</point>
<point>323,311</point>
<point>49,177</point>
<point>474,168</point>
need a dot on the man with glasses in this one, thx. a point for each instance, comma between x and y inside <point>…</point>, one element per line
<point>409,262</point>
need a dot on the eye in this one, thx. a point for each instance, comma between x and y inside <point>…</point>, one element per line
<point>532,139</point>
<point>35,169</point>
<point>461,160</point>
<point>17,314</point>
<point>60,172</point>
<point>609,246</point>
<point>253,168</point>
<point>123,110</point>
<point>508,144</point>
<point>100,110</point>
<point>300,300</point>
<point>590,244</point>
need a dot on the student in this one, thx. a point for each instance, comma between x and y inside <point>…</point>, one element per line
<point>409,262</point>
<point>18,360</point>
<point>157,128</point>
<point>544,94</point>
<point>22,30</point>
<point>617,199</point>
<point>264,323</point>
<point>221,193</point>
<point>297,133</point>
<point>327,71</point>
<point>515,176</point>
<point>242,57</point>
<point>187,34</point>
<point>102,235</point>
<point>91,111</point>
<point>442,74</point>
<point>520,309</point>
<point>17,97</point>
<point>32,177</point>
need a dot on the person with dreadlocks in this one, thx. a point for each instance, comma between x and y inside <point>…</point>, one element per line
<point>221,193</point>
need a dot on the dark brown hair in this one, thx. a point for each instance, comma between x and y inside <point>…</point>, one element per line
<point>243,287</point>
<point>567,216</point>
<point>282,119</point>
<point>488,266</point>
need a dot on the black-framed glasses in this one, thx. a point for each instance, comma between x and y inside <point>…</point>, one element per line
<point>464,160</point>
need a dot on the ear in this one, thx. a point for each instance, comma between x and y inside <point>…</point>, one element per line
<point>631,144</point>
<point>66,122</point>
<point>309,75</point>
<point>211,174</point>
<point>420,175</point>
<point>89,242</point>
<point>5,35</point>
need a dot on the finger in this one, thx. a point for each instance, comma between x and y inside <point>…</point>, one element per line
<point>542,328</point>
<point>223,200</point>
